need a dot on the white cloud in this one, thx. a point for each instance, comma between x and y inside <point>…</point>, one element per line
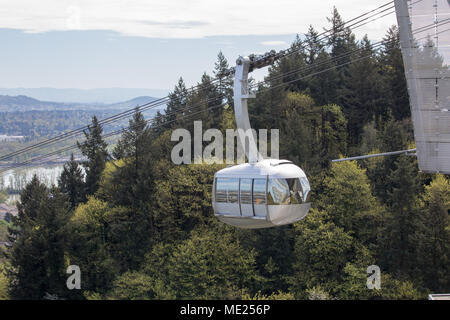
<point>182,18</point>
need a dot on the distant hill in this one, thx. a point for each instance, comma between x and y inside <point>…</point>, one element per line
<point>23,103</point>
<point>84,96</point>
<point>138,101</point>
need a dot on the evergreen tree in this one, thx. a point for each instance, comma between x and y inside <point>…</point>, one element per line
<point>313,45</point>
<point>39,243</point>
<point>401,235</point>
<point>321,253</point>
<point>361,94</point>
<point>348,200</point>
<point>395,88</point>
<point>132,285</point>
<point>289,69</point>
<point>119,149</point>
<point>323,83</point>
<point>95,149</point>
<point>225,86</point>
<point>435,238</point>
<point>92,246</point>
<point>210,264</point>
<point>133,185</point>
<point>203,105</point>
<point>176,105</point>
<point>341,39</point>
<point>343,44</point>
<point>208,96</point>
<point>393,137</point>
<point>133,178</point>
<point>300,124</point>
<point>71,182</point>
<point>274,250</point>
<point>183,200</point>
<point>317,134</point>
<point>333,134</point>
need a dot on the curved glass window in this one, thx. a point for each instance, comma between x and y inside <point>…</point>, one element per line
<point>259,191</point>
<point>232,190</point>
<point>246,191</point>
<point>287,191</point>
<point>221,191</point>
<point>227,190</point>
<point>305,187</point>
<point>278,192</point>
<point>295,191</point>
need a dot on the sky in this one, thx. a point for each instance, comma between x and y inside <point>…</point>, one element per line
<point>149,44</point>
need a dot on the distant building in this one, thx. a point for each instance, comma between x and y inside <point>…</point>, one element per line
<point>4,137</point>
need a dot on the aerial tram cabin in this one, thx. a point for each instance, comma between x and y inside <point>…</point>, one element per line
<point>268,192</point>
<point>263,192</point>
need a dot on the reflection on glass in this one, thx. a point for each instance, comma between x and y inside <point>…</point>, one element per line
<point>221,191</point>
<point>288,191</point>
<point>295,191</point>
<point>278,192</point>
<point>246,191</point>
<point>232,190</point>
<point>259,191</point>
<point>305,187</point>
<point>227,190</point>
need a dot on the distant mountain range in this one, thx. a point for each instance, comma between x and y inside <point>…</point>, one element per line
<point>69,95</point>
<point>25,103</point>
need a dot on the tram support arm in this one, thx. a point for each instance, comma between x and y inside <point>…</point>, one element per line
<point>241,95</point>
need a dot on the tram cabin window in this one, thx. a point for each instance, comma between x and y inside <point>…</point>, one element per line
<point>221,191</point>
<point>246,191</point>
<point>227,190</point>
<point>259,191</point>
<point>287,191</point>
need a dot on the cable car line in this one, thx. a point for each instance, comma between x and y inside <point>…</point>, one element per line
<point>220,105</point>
<point>107,120</point>
<point>161,101</point>
<point>19,165</point>
<point>375,45</point>
<point>27,162</point>
<point>346,22</point>
<point>187,109</point>
<point>255,85</point>
<point>110,134</point>
<point>120,115</point>
<point>73,147</point>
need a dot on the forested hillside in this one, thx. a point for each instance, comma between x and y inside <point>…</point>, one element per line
<point>36,121</point>
<point>35,124</point>
<point>140,227</point>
